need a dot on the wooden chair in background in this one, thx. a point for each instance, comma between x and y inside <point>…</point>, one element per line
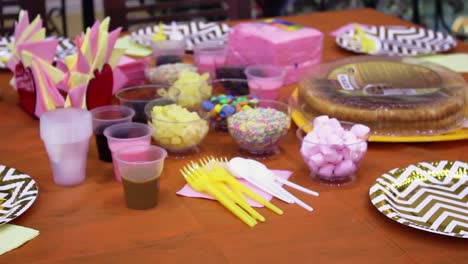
<point>124,14</point>
<point>9,10</point>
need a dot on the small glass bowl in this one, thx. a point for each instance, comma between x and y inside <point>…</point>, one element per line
<point>137,97</point>
<point>332,164</point>
<point>167,73</point>
<point>228,96</point>
<point>258,131</point>
<point>181,139</point>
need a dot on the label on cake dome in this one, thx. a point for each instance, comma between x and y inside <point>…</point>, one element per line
<point>384,78</point>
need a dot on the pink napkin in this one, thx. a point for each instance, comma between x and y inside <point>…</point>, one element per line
<point>189,192</point>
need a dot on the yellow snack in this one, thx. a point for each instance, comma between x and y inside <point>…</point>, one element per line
<point>177,128</point>
<point>194,88</point>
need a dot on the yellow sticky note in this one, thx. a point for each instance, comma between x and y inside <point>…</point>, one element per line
<point>13,236</point>
<point>132,48</point>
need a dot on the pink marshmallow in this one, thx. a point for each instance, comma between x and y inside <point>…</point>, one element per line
<point>334,157</point>
<point>318,159</point>
<point>308,149</point>
<point>359,130</point>
<point>334,139</point>
<point>350,138</point>
<point>319,120</point>
<point>311,137</point>
<point>333,122</point>
<point>326,170</point>
<point>357,151</point>
<point>344,168</point>
<point>312,166</point>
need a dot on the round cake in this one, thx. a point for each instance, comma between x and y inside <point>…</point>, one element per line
<point>391,95</point>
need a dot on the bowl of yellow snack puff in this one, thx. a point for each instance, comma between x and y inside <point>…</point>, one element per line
<point>178,129</point>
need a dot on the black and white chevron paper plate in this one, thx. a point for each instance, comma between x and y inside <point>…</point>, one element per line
<point>431,196</point>
<point>18,192</point>
<point>194,32</point>
<point>65,48</point>
<point>398,40</point>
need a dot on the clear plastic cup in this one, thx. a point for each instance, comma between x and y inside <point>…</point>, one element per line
<point>126,135</point>
<point>208,55</point>
<point>265,81</point>
<point>168,51</point>
<point>137,97</point>
<point>141,168</point>
<point>103,117</point>
<point>66,133</point>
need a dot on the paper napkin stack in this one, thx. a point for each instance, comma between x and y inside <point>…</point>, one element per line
<point>92,77</point>
<point>35,79</point>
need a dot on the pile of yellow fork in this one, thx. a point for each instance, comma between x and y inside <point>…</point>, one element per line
<point>211,177</point>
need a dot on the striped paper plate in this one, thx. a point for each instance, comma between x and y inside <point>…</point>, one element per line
<point>430,196</point>
<point>18,192</point>
<point>65,48</point>
<point>194,32</point>
<point>398,40</point>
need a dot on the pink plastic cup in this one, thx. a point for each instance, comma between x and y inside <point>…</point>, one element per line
<point>208,55</point>
<point>265,81</point>
<point>141,168</point>
<point>125,135</point>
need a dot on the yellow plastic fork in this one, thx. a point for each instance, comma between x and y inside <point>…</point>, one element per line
<point>202,183</point>
<point>225,176</point>
<point>232,191</point>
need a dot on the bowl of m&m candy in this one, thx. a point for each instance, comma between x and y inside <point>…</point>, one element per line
<point>259,130</point>
<point>228,96</point>
<point>333,149</point>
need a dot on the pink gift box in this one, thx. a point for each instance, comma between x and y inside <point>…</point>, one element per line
<point>276,42</point>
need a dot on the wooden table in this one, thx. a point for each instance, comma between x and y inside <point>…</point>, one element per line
<point>90,223</point>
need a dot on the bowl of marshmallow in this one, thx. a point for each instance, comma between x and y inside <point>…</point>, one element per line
<point>333,149</point>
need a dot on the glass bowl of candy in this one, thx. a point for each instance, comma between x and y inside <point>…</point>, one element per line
<point>179,130</point>
<point>333,149</point>
<point>259,130</point>
<point>167,73</point>
<point>228,96</point>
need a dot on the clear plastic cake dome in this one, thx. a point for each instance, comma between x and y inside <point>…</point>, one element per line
<point>394,96</point>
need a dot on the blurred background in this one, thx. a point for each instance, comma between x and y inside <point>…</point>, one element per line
<point>69,17</point>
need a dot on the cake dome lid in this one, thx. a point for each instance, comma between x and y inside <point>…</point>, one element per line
<point>383,90</point>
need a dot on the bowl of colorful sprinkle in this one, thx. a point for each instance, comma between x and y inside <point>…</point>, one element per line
<point>259,130</point>
<point>167,73</point>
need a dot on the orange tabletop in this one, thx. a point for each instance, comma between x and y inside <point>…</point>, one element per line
<point>91,224</point>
